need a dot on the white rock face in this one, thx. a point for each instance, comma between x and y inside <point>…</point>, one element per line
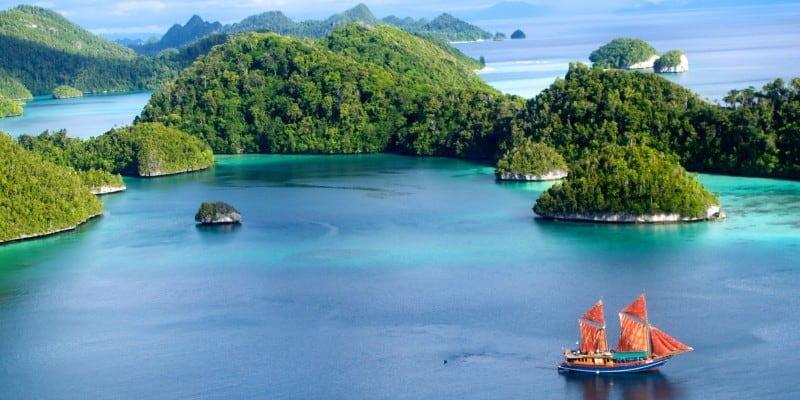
<point>550,176</point>
<point>108,189</point>
<point>682,67</point>
<point>712,212</point>
<point>220,218</point>
<point>646,63</point>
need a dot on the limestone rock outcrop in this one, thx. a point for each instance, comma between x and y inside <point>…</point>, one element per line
<point>553,175</point>
<point>217,213</point>
<point>682,67</point>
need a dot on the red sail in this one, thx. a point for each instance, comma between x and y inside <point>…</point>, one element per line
<point>638,308</point>
<point>595,314</point>
<point>593,338</point>
<point>666,345</point>
<point>632,335</point>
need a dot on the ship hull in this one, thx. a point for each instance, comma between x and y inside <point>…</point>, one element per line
<point>620,368</point>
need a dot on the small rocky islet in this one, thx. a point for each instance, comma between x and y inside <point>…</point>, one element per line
<point>217,213</point>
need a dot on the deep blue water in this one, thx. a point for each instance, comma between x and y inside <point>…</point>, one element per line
<point>359,276</point>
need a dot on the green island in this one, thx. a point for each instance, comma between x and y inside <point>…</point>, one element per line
<point>39,198</point>
<point>66,92</point>
<point>624,53</point>
<point>531,161</point>
<point>671,61</point>
<point>630,184</point>
<point>518,34</point>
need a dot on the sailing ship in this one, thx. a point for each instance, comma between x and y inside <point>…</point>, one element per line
<point>641,347</point>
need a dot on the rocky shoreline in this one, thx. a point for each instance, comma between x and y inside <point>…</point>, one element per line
<point>108,189</point>
<point>711,213</point>
<point>50,233</point>
<point>553,175</point>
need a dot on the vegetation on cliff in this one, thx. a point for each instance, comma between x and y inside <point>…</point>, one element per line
<point>669,59</point>
<point>38,197</point>
<point>147,149</point>
<point>9,108</point>
<point>13,89</point>
<point>622,53</point>
<point>66,92</point>
<point>99,181</point>
<point>362,89</point>
<point>531,158</point>
<point>626,180</point>
<point>218,212</point>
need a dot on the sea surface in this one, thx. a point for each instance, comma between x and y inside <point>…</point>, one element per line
<point>728,48</point>
<point>386,277</point>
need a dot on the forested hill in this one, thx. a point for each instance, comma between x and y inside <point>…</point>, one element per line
<point>41,49</point>
<point>362,89</point>
<point>755,134</point>
<point>40,25</point>
<point>38,197</point>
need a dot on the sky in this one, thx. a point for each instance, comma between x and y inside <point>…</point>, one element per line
<point>146,18</point>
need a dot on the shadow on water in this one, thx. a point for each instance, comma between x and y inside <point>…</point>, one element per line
<point>645,386</point>
<point>218,232</point>
<point>626,234</point>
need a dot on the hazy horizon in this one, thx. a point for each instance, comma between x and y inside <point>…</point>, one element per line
<point>148,18</point>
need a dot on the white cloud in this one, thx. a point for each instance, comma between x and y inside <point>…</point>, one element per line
<point>131,8</point>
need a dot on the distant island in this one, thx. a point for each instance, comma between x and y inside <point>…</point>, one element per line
<point>627,53</point>
<point>674,61</point>
<point>445,27</point>
<point>518,34</point>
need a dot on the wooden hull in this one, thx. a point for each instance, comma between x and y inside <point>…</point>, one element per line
<point>618,368</point>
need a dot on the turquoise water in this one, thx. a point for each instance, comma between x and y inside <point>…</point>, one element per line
<point>82,117</point>
<point>358,276</point>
